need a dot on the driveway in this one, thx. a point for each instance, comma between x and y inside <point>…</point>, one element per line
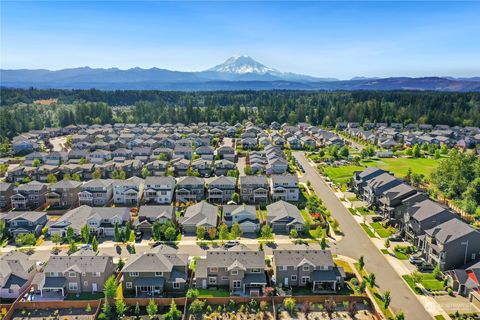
<point>356,243</point>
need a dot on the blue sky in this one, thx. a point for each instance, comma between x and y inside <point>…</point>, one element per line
<point>328,39</point>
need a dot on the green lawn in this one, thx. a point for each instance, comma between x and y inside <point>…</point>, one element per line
<point>381,230</point>
<point>209,293</point>
<point>352,211</point>
<point>365,212</point>
<point>400,255</point>
<point>385,251</point>
<point>306,216</point>
<point>342,174</point>
<point>399,166</point>
<point>427,281</point>
<point>367,230</point>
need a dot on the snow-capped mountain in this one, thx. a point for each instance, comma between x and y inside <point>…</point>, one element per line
<point>242,65</point>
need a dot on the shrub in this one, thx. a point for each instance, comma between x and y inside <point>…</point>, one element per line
<point>290,304</point>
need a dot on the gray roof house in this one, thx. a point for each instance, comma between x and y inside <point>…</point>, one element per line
<point>20,222</point>
<point>16,272</point>
<point>156,272</point>
<point>159,189</point>
<point>284,187</point>
<point>254,189</point>
<point>63,194</point>
<point>302,266</point>
<point>451,244</point>
<point>100,220</point>
<point>29,196</point>
<point>201,214</point>
<point>239,269</point>
<point>283,217</point>
<point>147,215</point>
<point>190,189</point>
<point>220,189</point>
<point>244,215</point>
<point>6,191</point>
<point>97,192</point>
<point>360,178</point>
<point>391,200</point>
<point>75,274</point>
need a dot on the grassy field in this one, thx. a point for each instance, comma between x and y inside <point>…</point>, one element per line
<point>342,174</point>
<point>428,281</point>
<point>399,166</point>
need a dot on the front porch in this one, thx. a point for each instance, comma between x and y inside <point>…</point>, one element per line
<point>148,286</point>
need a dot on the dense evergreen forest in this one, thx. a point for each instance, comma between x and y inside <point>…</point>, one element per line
<point>19,113</point>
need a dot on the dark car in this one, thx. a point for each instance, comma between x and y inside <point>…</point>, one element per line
<point>395,237</point>
<point>377,218</point>
<point>425,267</point>
<point>138,236</point>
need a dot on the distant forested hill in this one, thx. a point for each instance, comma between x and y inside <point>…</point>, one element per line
<point>19,113</point>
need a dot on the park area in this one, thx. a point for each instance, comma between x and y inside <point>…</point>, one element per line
<point>398,166</point>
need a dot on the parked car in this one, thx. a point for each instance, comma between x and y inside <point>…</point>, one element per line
<point>377,218</point>
<point>138,236</point>
<point>395,238</point>
<point>425,267</point>
<point>416,260</point>
<point>231,243</point>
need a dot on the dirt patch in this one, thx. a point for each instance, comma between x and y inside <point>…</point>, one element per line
<point>46,102</point>
<point>64,314</point>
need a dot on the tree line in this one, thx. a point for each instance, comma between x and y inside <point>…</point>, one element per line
<point>19,113</point>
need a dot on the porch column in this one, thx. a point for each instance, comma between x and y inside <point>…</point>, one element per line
<point>136,291</point>
<point>63,292</point>
<point>335,286</point>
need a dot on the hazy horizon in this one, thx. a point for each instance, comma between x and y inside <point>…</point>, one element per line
<point>322,39</point>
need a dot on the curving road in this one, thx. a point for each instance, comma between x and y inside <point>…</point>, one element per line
<point>356,243</point>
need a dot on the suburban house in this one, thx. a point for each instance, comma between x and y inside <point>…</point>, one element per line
<point>220,189</point>
<point>128,192</point>
<point>7,190</point>
<point>244,215</point>
<point>254,189</point>
<point>29,196</point>
<point>96,192</point>
<point>239,269</point>
<point>147,215</point>
<point>360,179</point>
<point>451,244</point>
<point>190,189</point>
<point>16,272</point>
<point>226,152</point>
<point>20,222</point>
<point>390,201</point>
<point>159,270</point>
<point>63,194</point>
<point>377,186</point>
<point>423,216</point>
<point>159,190</point>
<point>284,187</point>
<point>202,214</point>
<point>309,268</point>
<point>222,167</point>
<point>100,220</point>
<point>283,217</point>
<point>78,273</point>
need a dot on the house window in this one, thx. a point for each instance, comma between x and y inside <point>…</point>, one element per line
<point>305,280</point>
<point>158,274</point>
<point>96,274</point>
<point>237,284</point>
<point>133,274</point>
<point>224,278</point>
<point>176,285</point>
<point>212,280</point>
<point>72,286</point>
<point>128,285</point>
<point>234,272</point>
<point>294,277</point>
<point>256,270</point>
<point>85,283</point>
<point>283,268</point>
<point>306,268</point>
<point>214,269</point>
<point>72,274</point>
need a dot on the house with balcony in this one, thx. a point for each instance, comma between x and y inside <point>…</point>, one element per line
<point>220,189</point>
<point>96,193</point>
<point>360,179</point>
<point>63,194</point>
<point>304,267</point>
<point>128,192</point>
<point>85,272</point>
<point>283,217</point>
<point>29,196</point>
<point>254,189</point>
<point>159,190</point>
<point>377,186</point>
<point>190,189</point>
<point>391,200</point>
<point>451,244</point>
<point>284,187</point>
<point>222,167</point>
<point>20,222</point>
<point>238,270</point>
<point>159,271</point>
